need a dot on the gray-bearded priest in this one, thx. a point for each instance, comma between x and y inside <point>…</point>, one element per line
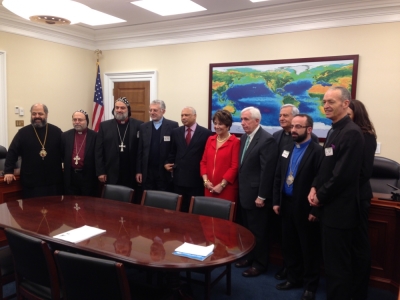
<point>116,146</point>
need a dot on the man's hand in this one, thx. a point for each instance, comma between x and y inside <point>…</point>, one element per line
<point>276,209</point>
<point>8,178</point>
<point>312,218</point>
<point>169,167</point>
<point>311,194</point>
<point>103,178</point>
<point>139,177</point>
<point>259,202</point>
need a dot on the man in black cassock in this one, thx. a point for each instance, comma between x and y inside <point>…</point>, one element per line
<point>39,146</point>
<point>116,147</point>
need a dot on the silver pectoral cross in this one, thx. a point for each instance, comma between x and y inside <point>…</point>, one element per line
<point>76,207</point>
<point>122,146</point>
<point>76,158</point>
<point>122,221</point>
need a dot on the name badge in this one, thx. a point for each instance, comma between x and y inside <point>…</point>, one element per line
<point>137,134</point>
<point>285,153</point>
<point>167,138</point>
<point>328,151</point>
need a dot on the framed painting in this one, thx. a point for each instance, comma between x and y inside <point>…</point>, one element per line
<point>268,85</point>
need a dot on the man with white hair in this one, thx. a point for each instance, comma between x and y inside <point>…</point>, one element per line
<point>258,156</point>
<point>154,145</point>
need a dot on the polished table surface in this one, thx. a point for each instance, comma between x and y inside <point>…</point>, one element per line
<point>137,235</point>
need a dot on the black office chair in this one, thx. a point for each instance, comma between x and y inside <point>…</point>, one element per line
<point>117,192</point>
<point>212,207</point>
<point>217,208</point>
<point>385,171</point>
<point>3,154</point>
<point>6,270</point>
<point>162,199</point>
<point>35,270</point>
<point>85,277</point>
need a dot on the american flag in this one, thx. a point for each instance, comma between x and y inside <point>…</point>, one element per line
<point>98,106</point>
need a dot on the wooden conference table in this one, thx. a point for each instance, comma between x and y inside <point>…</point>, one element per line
<point>135,235</point>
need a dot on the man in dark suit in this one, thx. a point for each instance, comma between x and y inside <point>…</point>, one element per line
<point>187,147</point>
<point>78,146</point>
<point>297,166</point>
<point>116,147</point>
<point>283,137</point>
<point>335,190</point>
<point>154,145</point>
<point>258,152</point>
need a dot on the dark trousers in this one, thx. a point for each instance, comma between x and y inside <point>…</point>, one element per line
<point>256,220</point>
<point>41,191</point>
<point>80,185</point>
<point>362,255</point>
<point>187,193</point>
<point>301,247</point>
<point>337,249</point>
<point>154,180</point>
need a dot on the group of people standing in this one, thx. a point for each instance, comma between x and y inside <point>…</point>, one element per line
<point>321,193</point>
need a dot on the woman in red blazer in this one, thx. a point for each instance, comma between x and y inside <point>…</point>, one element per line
<point>220,162</point>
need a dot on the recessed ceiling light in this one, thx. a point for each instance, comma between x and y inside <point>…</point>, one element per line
<point>69,11</point>
<point>169,7</point>
<point>258,0</point>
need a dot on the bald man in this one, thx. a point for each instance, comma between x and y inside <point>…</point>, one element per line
<point>39,146</point>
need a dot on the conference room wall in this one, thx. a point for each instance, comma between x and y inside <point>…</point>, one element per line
<point>183,71</point>
<point>60,76</point>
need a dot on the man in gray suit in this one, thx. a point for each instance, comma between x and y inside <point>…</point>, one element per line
<point>258,156</point>
<point>154,145</point>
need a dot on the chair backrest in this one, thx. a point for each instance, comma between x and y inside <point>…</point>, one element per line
<point>84,277</point>
<point>212,207</point>
<point>162,199</point>
<point>35,269</point>
<point>3,152</point>
<point>117,192</point>
<point>384,171</point>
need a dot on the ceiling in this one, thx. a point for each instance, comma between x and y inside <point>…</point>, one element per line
<point>223,19</point>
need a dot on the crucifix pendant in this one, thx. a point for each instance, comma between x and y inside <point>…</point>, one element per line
<point>76,158</point>
<point>122,146</point>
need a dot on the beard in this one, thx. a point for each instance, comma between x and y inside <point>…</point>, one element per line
<point>121,117</point>
<point>298,138</point>
<point>80,127</point>
<point>42,123</point>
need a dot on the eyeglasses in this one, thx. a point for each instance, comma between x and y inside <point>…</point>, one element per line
<point>298,126</point>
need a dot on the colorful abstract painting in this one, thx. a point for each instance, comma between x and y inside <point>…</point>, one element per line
<point>268,85</point>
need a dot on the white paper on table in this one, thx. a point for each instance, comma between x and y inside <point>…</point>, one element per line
<point>195,249</point>
<point>79,234</point>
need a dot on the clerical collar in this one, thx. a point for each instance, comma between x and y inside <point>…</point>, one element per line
<point>122,121</point>
<point>341,122</point>
<point>286,132</point>
<point>159,123</point>
<point>303,145</point>
<point>81,132</point>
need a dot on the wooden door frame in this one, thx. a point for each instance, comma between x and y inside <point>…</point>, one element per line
<point>3,100</point>
<point>110,78</point>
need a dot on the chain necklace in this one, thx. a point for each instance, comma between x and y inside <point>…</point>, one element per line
<point>223,140</point>
<point>122,146</point>
<point>42,152</point>
<point>76,158</point>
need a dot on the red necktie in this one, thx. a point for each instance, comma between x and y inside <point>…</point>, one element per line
<point>188,136</point>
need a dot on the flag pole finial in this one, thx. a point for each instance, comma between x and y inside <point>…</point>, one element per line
<point>98,54</point>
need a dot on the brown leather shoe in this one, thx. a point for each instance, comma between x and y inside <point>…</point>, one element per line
<point>251,272</point>
<point>243,264</point>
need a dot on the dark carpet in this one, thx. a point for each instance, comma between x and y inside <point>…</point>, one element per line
<point>261,287</point>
